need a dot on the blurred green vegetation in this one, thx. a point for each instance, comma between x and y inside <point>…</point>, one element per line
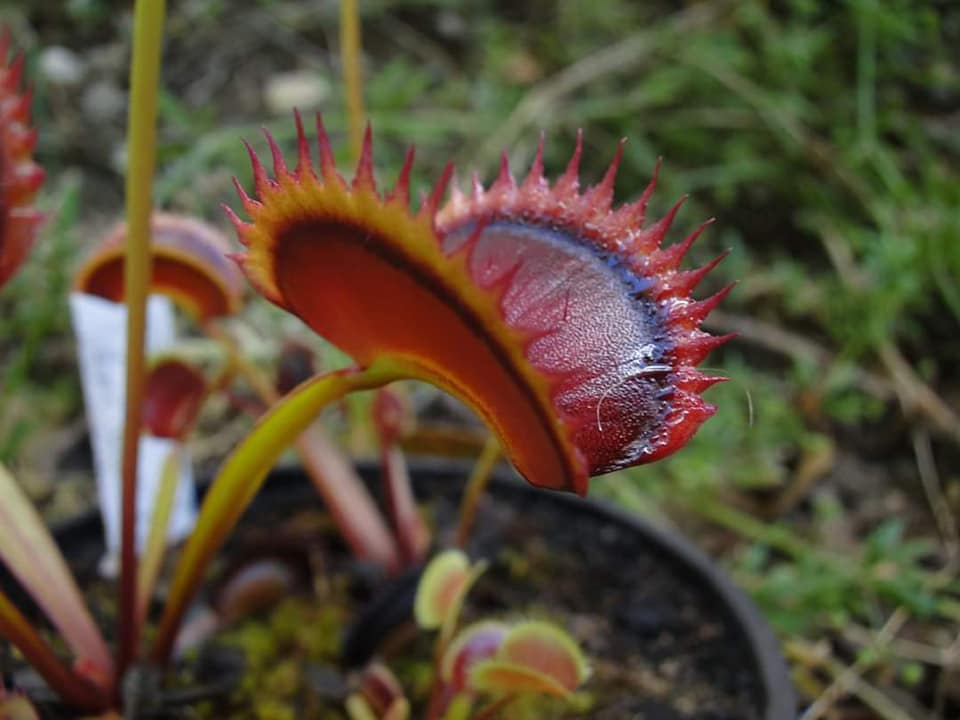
<point>825,138</point>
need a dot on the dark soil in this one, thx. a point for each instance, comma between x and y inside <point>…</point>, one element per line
<point>661,645</point>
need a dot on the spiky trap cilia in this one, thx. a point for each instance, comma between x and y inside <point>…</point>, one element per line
<point>564,322</point>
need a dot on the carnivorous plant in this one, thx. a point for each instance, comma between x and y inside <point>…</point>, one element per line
<point>566,323</point>
<point>490,659</point>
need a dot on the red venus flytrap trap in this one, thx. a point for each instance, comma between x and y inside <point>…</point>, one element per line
<point>190,266</point>
<point>20,177</point>
<point>565,324</point>
<point>544,309</point>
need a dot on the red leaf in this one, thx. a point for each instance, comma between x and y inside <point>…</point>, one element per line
<point>174,393</point>
<point>190,264</point>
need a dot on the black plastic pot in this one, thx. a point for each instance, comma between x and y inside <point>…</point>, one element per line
<point>631,542</point>
<point>652,578</point>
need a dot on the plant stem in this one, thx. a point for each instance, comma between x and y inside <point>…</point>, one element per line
<point>476,485</point>
<point>70,686</point>
<point>141,145</point>
<point>345,496</point>
<point>141,141</point>
<point>165,498</point>
<point>412,533</point>
<point>242,475</point>
<point>390,418</point>
<point>352,75</point>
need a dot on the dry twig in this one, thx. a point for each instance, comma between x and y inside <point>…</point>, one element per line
<point>849,679</point>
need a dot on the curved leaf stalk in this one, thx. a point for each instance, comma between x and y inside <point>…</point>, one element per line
<point>243,473</point>
<point>476,485</point>
<point>69,685</point>
<point>390,415</point>
<point>344,495</point>
<point>141,143</point>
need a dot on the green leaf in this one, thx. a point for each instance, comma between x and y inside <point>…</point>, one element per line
<point>242,475</point>
<point>442,590</point>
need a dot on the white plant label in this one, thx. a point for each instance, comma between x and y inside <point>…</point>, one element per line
<point>101,330</point>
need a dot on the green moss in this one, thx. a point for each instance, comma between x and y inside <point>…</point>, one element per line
<point>539,707</point>
<point>279,646</point>
<point>271,709</point>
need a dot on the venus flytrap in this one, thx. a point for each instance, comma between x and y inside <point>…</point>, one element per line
<point>378,697</point>
<point>25,544</point>
<point>479,669</point>
<point>21,176</point>
<point>564,322</point>
<point>191,265</point>
<point>174,395</point>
